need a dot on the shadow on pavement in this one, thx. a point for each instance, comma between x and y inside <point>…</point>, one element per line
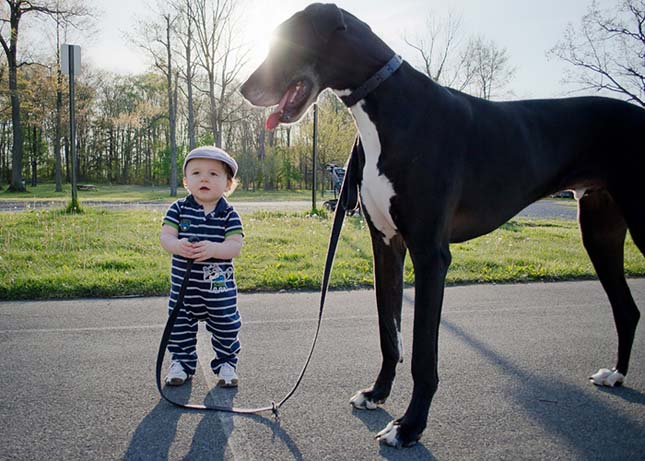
<point>625,393</point>
<point>156,433</point>
<point>587,424</point>
<point>279,434</point>
<point>215,428</point>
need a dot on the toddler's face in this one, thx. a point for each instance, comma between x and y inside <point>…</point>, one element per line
<point>206,179</point>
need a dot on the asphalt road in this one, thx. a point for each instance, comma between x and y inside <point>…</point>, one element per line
<point>77,380</point>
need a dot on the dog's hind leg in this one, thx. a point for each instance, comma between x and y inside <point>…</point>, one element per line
<point>603,229</point>
<point>388,281</point>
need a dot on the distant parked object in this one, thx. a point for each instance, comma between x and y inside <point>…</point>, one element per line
<point>563,194</point>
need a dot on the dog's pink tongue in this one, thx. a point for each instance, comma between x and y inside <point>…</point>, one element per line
<point>274,119</point>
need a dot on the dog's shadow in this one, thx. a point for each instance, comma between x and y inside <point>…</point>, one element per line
<point>626,393</point>
<point>574,411</point>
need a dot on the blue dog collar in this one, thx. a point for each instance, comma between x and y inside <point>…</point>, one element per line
<point>373,82</point>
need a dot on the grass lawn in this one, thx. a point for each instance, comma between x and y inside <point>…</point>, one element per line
<point>49,254</point>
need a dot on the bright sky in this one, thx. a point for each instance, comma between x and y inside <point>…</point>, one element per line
<point>527,29</point>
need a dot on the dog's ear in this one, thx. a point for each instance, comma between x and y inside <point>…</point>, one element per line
<point>325,18</point>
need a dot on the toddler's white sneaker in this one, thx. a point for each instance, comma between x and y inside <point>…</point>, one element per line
<point>227,376</point>
<point>176,374</point>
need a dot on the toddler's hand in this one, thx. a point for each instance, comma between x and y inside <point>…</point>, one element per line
<point>203,250</point>
<point>185,249</point>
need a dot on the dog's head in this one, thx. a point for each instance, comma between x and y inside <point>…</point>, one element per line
<point>320,47</point>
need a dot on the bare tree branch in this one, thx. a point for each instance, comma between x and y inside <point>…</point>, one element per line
<point>607,52</point>
<point>478,67</point>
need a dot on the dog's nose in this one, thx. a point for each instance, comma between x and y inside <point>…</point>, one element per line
<point>257,90</point>
<point>250,91</point>
<point>244,89</point>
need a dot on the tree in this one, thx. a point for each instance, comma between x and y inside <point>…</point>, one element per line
<point>232,62</point>
<point>157,39</point>
<point>439,51</point>
<point>186,36</point>
<point>37,90</point>
<point>478,67</point>
<point>210,20</point>
<point>58,174</point>
<point>607,52</point>
<point>488,67</point>
<point>11,14</point>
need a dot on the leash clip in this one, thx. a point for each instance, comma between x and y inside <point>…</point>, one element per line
<point>274,410</point>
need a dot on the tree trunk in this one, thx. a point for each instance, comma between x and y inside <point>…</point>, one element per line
<point>110,159</point>
<point>213,109</point>
<point>58,168</point>
<point>17,183</point>
<point>57,134</point>
<point>189,79</point>
<point>34,156</point>
<point>127,155</point>
<point>68,171</point>
<point>3,153</point>
<point>172,115</point>
<point>222,95</point>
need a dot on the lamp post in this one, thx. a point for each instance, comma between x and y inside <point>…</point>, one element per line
<point>315,151</point>
<point>70,65</point>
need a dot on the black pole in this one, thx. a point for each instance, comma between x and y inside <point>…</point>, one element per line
<point>315,149</point>
<point>72,126</point>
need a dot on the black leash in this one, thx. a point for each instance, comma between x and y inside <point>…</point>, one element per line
<point>348,201</point>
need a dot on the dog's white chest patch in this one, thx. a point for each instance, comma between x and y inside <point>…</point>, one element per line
<point>376,188</point>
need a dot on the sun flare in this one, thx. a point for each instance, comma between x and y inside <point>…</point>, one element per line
<point>258,21</point>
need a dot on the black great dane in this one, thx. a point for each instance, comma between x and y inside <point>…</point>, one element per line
<point>438,166</point>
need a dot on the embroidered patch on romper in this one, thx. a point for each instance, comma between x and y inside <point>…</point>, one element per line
<point>219,277</point>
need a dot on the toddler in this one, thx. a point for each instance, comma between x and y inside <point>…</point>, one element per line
<point>211,295</point>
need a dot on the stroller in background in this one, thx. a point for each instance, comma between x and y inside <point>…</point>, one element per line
<point>337,174</point>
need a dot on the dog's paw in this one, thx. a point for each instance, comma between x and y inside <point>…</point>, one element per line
<point>393,437</point>
<point>390,435</point>
<point>361,401</point>
<point>605,377</point>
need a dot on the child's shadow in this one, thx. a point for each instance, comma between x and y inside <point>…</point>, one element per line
<point>215,428</point>
<point>156,433</point>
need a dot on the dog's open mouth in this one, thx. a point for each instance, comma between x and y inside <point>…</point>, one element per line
<point>291,104</point>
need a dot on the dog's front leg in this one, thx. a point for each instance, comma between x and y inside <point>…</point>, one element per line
<point>388,280</point>
<point>430,266</point>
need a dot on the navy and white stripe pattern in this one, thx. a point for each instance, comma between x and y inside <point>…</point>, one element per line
<point>211,295</point>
